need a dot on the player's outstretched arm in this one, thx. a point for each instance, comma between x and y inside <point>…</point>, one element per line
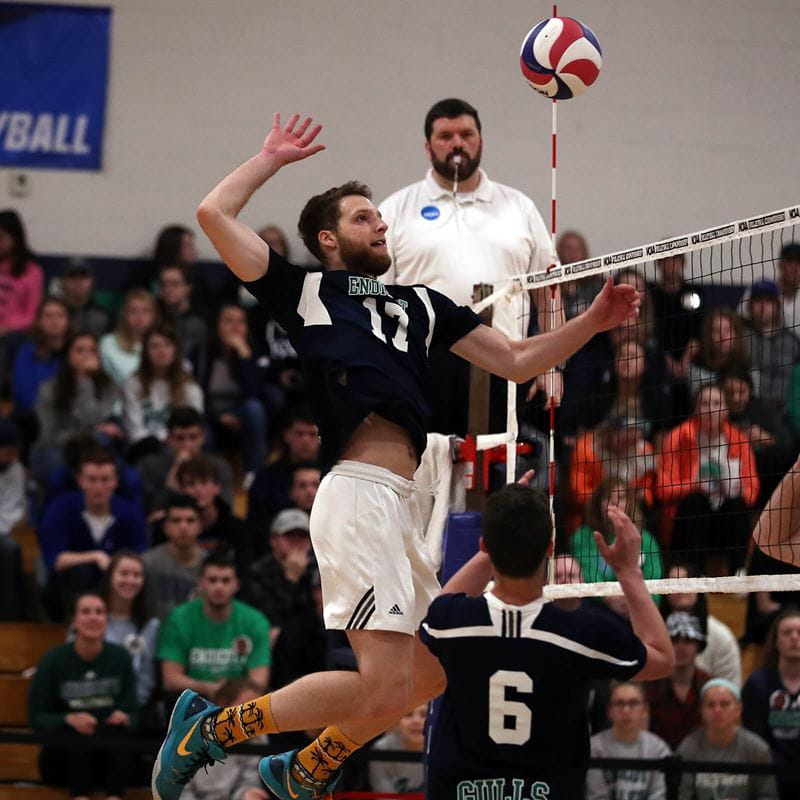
<point>240,247</point>
<point>523,360</point>
<point>624,558</point>
<point>777,531</point>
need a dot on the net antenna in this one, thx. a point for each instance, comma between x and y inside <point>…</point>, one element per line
<point>719,258</point>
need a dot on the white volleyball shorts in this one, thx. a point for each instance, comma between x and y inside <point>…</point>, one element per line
<point>374,565</point>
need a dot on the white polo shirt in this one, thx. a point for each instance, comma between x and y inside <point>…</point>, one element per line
<point>449,245</point>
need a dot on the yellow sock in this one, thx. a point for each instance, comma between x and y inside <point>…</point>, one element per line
<point>314,765</point>
<point>236,724</point>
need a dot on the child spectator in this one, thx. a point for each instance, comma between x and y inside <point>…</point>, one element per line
<point>40,354</point>
<point>121,350</point>
<point>175,291</point>
<point>270,490</point>
<point>675,701</point>
<point>237,777</point>
<point>86,686</point>
<point>12,511</point>
<point>707,480</point>
<point>80,399</point>
<point>172,569</point>
<point>208,640</point>
<point>160,384</point>
<point>129,624</point>
<point>76,289</point>
<point>771,698</point>
<point>627,738</point>
<point>234,389</point>
<point>773,350</point>
<point>401,777</point>
<point>81,530</point>
<point>612,492</point>
<point>185,439</point>
<point>723,739</point>
<point>720,658</point>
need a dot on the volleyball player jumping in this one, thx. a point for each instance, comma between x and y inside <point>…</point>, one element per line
<point>364,349</point>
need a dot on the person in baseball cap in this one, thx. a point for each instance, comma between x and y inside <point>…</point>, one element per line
<point>290,520</point>
<point>682,625</point>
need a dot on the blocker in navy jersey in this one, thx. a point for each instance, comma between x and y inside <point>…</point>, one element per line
<point>513,719</point>
<point>363,345</point>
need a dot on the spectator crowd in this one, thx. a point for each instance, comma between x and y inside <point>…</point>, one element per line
<point>138,424</point>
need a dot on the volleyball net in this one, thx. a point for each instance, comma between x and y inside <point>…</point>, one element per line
<point>688,417</point>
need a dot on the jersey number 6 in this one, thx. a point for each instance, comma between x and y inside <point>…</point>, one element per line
<point>501,709</point>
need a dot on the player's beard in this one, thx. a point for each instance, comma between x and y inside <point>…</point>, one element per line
<point>466,169</point>
<point>362,258</point>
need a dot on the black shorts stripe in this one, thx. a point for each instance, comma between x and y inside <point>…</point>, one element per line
<point>360,607</point>
<point>365,619</point>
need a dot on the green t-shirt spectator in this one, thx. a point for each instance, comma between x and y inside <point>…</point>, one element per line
<point>210,650</point>
<point>64,683</point>
<point>594,568</point>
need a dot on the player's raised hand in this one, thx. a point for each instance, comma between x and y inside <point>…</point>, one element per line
<point>292,142</point>
<point>613,305</point>
<point>625,553</point>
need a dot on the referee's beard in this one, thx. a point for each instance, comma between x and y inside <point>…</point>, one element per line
<point>362,258</point>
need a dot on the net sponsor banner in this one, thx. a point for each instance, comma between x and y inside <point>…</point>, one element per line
<point>54,67</point>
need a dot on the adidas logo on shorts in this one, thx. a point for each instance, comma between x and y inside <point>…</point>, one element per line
<point>395,609</point>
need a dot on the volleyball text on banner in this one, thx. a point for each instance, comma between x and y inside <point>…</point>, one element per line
<point>54,63</point>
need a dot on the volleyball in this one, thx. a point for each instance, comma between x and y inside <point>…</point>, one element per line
<point>560,58</point>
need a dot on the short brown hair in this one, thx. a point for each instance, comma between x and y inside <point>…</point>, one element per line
<point>322,212</point>
<point>199,468</point>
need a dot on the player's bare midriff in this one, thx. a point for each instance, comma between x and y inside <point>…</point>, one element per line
<point>384,444</point>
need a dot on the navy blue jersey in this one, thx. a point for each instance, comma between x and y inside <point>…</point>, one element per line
<point>363,345</point>
<point>513,721</point>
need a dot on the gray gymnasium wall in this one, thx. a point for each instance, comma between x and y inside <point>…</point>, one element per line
<point>693,121</point>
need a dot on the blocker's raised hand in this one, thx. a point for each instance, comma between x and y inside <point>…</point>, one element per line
<point>625,553</point>
<point>613,305</point>
<point>293,142</point>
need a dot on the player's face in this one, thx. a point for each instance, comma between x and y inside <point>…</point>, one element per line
<point>788,638</point>
<point>455,137</point>
<point>218,585</point>
<point>361,236</point>
<point>719,709</point>
<point>627,710</point>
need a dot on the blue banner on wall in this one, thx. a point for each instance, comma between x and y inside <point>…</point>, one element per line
<point>54,68</point>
